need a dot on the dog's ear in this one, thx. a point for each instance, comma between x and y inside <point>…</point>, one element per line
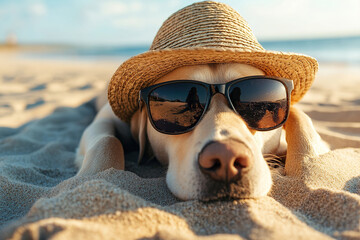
<point>138,131</point>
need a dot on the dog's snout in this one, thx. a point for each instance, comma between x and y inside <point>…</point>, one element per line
<point>225,160</point>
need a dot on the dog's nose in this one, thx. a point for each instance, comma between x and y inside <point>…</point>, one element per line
<point>225,160</point>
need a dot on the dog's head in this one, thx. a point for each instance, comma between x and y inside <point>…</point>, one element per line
<point>221,157</point>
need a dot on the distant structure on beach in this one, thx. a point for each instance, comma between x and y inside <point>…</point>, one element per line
<point>11,40</point>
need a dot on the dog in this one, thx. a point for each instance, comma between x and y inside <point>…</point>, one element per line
<point>221,137</point>
<point>215,127</point>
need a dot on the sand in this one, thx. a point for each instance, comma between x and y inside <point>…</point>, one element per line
<point>46,104</point>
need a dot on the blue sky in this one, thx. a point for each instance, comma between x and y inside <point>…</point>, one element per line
<point>132,22</point>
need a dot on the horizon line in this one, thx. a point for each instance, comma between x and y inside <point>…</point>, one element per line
<point>130,45</point>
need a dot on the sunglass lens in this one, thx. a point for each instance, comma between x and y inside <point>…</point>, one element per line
<point>176,108</point>
<point>262,103</point>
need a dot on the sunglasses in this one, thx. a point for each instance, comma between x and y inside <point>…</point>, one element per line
<point>176,107</point>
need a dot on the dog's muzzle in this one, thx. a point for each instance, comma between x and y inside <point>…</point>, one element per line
<point>224,163</point>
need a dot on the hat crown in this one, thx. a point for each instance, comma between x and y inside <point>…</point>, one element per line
<point>206,25</point>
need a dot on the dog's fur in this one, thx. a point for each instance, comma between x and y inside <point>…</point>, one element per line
<point>99,149</point>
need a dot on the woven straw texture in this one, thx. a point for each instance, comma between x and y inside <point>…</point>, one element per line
<point>204,32</point>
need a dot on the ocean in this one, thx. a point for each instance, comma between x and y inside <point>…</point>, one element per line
<point>338,50</point>
<point>342,50</point>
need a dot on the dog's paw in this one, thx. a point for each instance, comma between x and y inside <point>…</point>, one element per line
<point>303,142</point>
<point>301,135</point>
<point>106,153</point>
<point>79,158</point>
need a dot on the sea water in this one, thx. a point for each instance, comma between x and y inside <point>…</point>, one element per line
<point>338,50</point>
<point>342,50</point>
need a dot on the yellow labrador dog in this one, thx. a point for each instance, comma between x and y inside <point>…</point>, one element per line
<point>221,157</point>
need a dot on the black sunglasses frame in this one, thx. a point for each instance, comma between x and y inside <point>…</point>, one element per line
<point>211,90</point>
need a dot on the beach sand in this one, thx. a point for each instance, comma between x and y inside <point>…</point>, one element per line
<point>33,88</point>
<point>46,104</point>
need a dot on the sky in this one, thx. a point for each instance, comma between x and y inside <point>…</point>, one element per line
<point>135,22</point>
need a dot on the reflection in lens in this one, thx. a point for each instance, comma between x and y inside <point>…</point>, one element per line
<point>262,103</point>
<point>177,107</point>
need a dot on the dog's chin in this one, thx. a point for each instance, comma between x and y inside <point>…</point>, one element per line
<point>215,191</point>
<point>204,188</point>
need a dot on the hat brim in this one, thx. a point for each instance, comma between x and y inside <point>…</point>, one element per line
<point>143,70</point>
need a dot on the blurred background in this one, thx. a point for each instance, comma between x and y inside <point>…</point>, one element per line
<point>326,29</point>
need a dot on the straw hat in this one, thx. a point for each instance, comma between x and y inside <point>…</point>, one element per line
<point>204,32</point>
